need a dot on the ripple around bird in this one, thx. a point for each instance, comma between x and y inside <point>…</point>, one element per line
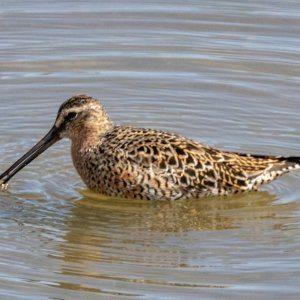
<point>225,74</point>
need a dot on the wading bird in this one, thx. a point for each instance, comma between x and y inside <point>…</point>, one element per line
<point>149,164</point>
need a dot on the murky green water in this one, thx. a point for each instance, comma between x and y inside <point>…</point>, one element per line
<point>222,72</point>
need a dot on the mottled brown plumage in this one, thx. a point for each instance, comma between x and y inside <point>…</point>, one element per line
<point>150,164</point>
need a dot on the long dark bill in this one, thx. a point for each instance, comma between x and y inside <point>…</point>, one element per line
<point>49,139</point>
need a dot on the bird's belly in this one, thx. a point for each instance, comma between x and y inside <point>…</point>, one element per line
<point>117,182</point>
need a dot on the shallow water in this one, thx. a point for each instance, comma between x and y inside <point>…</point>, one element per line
<point>223,72</point>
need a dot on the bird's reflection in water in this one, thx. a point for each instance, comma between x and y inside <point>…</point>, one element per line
<point>130,246</point>
<point>102,228</point>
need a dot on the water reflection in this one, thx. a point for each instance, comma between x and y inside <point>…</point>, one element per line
<point>106,239</point>
<point>224,73</point>
<point>100,226</point>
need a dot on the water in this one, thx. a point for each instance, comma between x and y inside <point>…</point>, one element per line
<point>223,72</point>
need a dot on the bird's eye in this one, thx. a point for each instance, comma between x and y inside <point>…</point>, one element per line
<point>71,116</point>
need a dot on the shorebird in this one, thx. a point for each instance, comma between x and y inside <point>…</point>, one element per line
<point>149,164</point>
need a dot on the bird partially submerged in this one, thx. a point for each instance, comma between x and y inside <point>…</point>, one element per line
<point>149,164</point>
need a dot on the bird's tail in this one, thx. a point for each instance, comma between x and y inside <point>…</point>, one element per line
<point>294,160</point>
<point>290,163</point>
<point>277,166</point>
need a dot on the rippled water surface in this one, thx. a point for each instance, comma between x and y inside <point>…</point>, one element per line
<point>222,72</point>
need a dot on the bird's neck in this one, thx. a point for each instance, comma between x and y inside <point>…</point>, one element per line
<point>90,135</point>
<point>85,146</point>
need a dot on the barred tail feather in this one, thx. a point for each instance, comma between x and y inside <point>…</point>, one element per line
<point>283,166</point>
<point>292,161</point>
